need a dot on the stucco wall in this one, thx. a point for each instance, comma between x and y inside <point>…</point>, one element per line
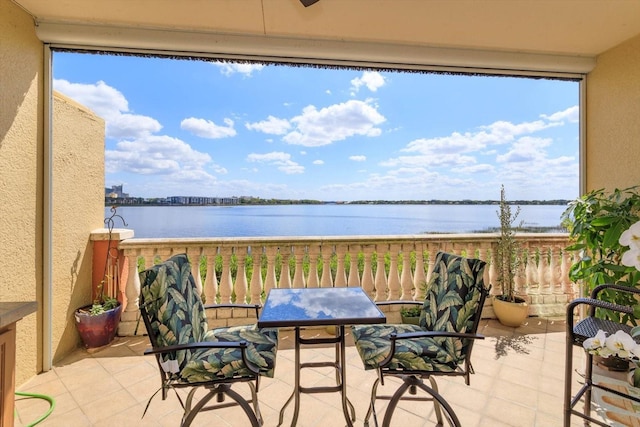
<point>78,188</point>
<point>78,208</point>
<point>21,185</point>
<point>613,119</point>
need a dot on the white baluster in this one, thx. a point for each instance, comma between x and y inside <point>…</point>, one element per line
<point>298,275</point>
<point>285,274</point>
<point>314,253</point>
<point>381,275</point>
<point>129,317</point>
<point>393,279</point>
<point>354,278</point>
<point>210,280</point>
<point>270,279</point>
<point>326,281</point>
<point>194,255</point>
<point>341,274</point>
<point>544,272</point>
<point>368,283</point>
<point>225,278</point>
<point>406,279</point>
<point>419,276</point>
<point>240,285</point>
<point>256,275</point>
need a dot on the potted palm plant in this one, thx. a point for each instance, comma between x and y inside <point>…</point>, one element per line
<point>97,323</point>
<point>510,309</point>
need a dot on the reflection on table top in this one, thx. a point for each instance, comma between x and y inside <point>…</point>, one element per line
<point>318,306</point>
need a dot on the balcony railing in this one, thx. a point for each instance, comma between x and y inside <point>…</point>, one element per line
<point>386,267</point>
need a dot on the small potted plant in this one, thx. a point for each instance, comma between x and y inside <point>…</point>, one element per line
<point>510,309</point>
<point>97,323</point>
<point>411,314</point>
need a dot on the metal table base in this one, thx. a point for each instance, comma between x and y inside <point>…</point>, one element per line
<point>338,364</point>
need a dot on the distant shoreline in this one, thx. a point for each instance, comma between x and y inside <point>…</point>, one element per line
<point>274,202</point>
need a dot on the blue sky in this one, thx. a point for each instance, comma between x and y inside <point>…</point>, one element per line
<point>194,128</point>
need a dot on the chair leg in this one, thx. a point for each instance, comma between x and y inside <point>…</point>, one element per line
<point>568,378</point>
<point>372,409</point>
<point>588,379</point>
<point>254,400</point>
<point>436,405</point>
<point>439,402</point>
<point>190,413</point>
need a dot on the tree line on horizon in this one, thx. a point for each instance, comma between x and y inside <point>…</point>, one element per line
<point>244,201</point>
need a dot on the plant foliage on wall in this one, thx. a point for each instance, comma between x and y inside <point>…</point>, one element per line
<point>595,222</point>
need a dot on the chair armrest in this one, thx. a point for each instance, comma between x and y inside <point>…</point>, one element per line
<point>196,346</point>
<point>594,303</point>
<point>256,307</point>
<point>399,302</point>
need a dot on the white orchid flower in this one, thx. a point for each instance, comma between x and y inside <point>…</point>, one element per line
<point>631,237</point>
<point>621,344</point>
<point>631,258</point>
<point>595,343</point>
<point>636,351</point>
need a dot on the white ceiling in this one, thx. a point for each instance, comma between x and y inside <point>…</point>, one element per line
<point>575,28</point>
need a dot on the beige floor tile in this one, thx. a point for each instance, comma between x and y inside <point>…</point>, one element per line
<point>519,381</point>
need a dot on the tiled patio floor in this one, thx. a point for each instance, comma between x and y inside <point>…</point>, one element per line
<point>518,382</point>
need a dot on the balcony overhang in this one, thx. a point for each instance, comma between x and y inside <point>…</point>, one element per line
<point>251,47</point>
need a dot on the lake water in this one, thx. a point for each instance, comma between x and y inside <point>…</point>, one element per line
<point>322,220</point>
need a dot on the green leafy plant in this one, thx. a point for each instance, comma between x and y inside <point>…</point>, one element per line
<point>411,311</point>
<point>508,260</point>
<point>595,222</point>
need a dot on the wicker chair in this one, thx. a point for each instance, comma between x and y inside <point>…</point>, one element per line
<point>576,335</point>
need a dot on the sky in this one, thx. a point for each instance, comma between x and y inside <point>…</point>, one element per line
<point>177,127</point>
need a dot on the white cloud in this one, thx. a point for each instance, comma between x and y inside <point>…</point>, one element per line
<point>497,133</point>
<point>208,129</point>
<point>372,80</point>
<point>337,122</point>
<point>110,104</point>
<point>272,125</point>
<point>236,68</point>
<point>526,149</point>
<point>156,155</point>
<point>473,169</point>
<point>571,114</point>
<point>318,162</point>
<point>220,170</point>
<point>279,159</point>
<point>358,158</point>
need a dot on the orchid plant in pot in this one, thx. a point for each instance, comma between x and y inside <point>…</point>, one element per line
<point>621,344</point>
<point>97,323</point>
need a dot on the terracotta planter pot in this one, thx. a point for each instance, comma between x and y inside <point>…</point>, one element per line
<point>98,330</point>
<point>413,320</point>
<point>510,313</point>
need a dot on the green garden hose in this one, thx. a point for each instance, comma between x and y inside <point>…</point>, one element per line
<point>52,405</point>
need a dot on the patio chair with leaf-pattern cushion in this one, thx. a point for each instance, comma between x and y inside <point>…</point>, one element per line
<point>192,356</point>
<point>439,346</point>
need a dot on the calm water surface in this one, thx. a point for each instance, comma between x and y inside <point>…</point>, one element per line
<point>322,220</point>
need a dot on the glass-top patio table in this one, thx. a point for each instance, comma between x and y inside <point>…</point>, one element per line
<point>317,307</point>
